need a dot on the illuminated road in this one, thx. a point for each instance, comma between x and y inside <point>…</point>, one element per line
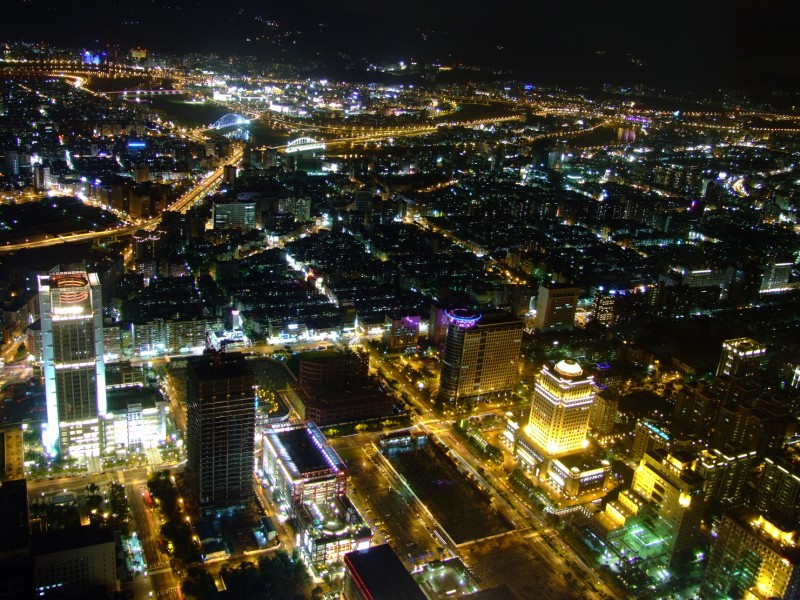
<point>181,205</point>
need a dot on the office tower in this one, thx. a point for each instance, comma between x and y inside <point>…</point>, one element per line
<point>677,495</point>
<point>229,175</point>
<point>562,398</point>
<point>481,355</point>
<point>740,357</point>
<point>234,214</point>
<point>11,453</point>
<point>221,420</point>
<point>725,474</point>
<point>336,387</point>
<point>603,414</point>
<point>74,373</point>
<point>753,557</point>
<point>555,307</point>
<point>41,177</point>
<point>779,488</point>
<point>74,563</point>
<point>649,435</point>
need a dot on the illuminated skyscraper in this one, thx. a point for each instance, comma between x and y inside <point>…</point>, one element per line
<point>741,356</point>
<point>676,492</point>
<point>753,557</point>
<point>562,399</point>
<point>74,372</point>
<point>481,355</point>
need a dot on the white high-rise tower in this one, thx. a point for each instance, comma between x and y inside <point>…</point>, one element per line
<point>74,372</point>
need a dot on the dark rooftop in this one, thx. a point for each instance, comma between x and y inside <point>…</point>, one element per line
<point>120,398</point>
<point>306,453</point>
<point>210,367</point>
<point>380,573</point>
<point>500,592</point>
<point>14,529</point>
<point>70,539</point>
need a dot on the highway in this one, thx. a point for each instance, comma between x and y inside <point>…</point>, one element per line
<point>181,205</point>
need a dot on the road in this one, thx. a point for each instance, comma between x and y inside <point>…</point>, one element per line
<point>181,205</point>
<point>162,580</point>
<point>559,556</point>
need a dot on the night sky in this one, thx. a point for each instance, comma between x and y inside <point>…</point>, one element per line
<point>681,44</point>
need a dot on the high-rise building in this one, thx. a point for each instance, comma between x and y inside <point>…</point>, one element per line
<point>229,175</point>
<point>603,414</point>
<point>676,492</point>
<point>234,214</point>
<point>555,307</point>
<point>779,488</point>
<point>71,563</point>
<point>726,474</point>
<point>74,372</point>
<point>753,557</point>
<point>41,177</point>
<point>221,420</point>
<point>740,357</point>
<point>559,418</point>
<point>481,355</point>
<point>11,453</point>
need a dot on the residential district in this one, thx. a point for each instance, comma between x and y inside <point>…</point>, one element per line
<point>266,335</point>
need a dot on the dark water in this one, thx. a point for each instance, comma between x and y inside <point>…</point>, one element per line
<point>180,110</point>
<point>194,114</point>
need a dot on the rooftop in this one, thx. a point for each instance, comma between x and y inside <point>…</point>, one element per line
<point>210,367</point>
<point>70,539</point>
<point>380,573</point>
<point>13,515</point>
<point>304,450</point>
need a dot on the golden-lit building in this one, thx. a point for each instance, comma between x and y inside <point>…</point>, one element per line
<point>560,407</point>
<point>676,491</point>
<point>11,453</point>
<point>554,446</point>
<point>753,558</point>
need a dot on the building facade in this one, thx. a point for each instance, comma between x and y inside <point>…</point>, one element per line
<point>481,356</point>
<point>74,372</point>
<point>560,407</point>
<point>753,557</point>
<point>555,307</point>
<point>221,419</point>
<point>676,492</point>
<point>71,562</point>
<point>741,356</point>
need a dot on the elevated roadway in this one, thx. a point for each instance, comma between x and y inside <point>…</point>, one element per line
<point>181,205</point>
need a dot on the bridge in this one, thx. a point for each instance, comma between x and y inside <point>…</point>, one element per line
<point>229,120</point>
<point>304,144</point>
<point>144,92</point>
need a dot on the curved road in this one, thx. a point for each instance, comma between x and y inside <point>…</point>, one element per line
<point>181,205</point>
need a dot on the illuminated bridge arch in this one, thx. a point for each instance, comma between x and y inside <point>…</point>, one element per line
<point>304,144</point>
<point>230,120</point>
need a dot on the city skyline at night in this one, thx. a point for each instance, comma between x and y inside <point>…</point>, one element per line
<point>399,299</point>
